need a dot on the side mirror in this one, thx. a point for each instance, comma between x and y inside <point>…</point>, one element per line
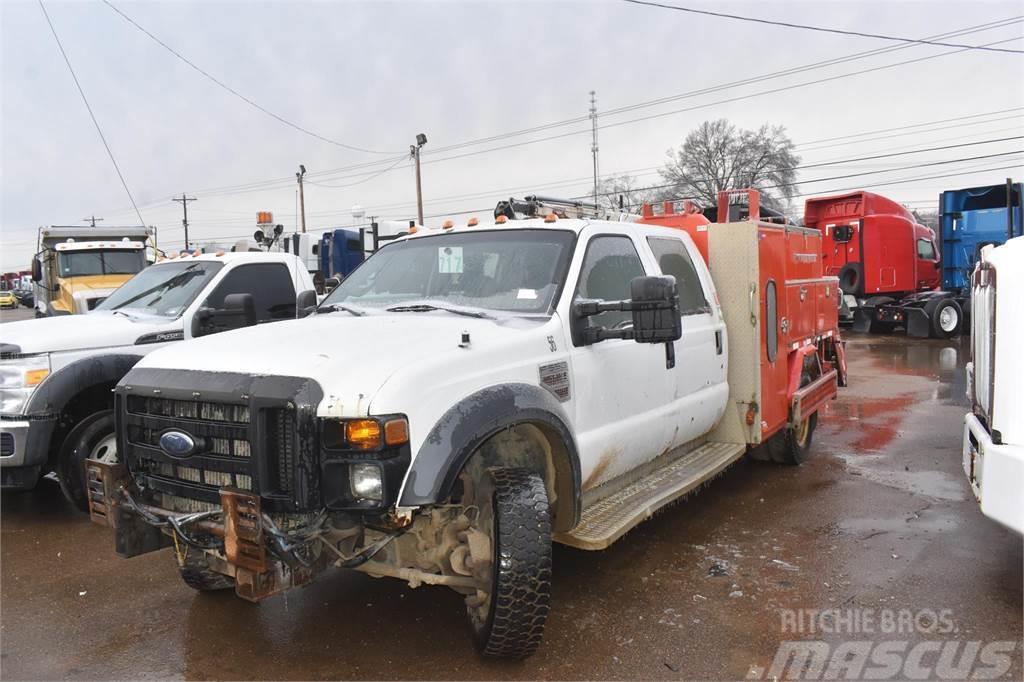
<point>331,283</point>
<point>655,310</point>
<point>37,270</point>
<point>305,303</point>
<point>656,316</point>
<point>239,311</point>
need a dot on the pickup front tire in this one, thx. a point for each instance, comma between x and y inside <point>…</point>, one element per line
<point>508,621</point>
<point>93,438</point>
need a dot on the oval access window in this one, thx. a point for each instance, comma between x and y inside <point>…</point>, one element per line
<point>771,321</point>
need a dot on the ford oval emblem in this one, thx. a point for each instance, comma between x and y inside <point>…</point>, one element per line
<point>177,443</point>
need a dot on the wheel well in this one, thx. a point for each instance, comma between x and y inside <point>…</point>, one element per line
<point>538,448</point>
<point>87,401</point>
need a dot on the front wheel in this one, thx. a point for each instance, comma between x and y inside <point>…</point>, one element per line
<point>93,438</point>
<point>508,616</point>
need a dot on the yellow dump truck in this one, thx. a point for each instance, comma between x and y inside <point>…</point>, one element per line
<point>75,268</point>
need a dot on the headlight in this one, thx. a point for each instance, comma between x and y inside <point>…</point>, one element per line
<point>18,378</point>
<point>365,481</point>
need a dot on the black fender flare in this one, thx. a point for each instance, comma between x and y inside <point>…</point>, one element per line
<point>50,398</point>
<point>466,425</point>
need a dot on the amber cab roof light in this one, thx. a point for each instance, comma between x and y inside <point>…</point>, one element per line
<point>448,224</point>
<point>501,220</point>
<point>550,218</point>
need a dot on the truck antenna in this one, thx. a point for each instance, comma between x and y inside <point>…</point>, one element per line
<point>91,220</point>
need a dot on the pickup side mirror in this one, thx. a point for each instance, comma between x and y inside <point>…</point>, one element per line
<point>37,270</point>
<point>239,311</point>
<point>331,283</point>
<point>305,303</point>
<point>656,316</point>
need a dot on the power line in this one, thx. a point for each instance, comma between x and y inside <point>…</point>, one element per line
<point>238,94</point>
<point>839,177</point>
<point>916,125</point>
<point>821,29</point>
<point>971,29</point>
<point>746,81</point>
<point>91,114</point>
<point>359,182</point>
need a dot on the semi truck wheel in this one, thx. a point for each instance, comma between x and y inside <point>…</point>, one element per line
<point>946,318</point>
<point>198,575</point>
<point>508,619</point>
<point>93,438</point>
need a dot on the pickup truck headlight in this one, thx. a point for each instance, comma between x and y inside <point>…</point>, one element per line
<point>363,461</point>
<point>18,378</point>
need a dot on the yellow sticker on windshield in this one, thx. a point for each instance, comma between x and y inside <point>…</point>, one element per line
<point>449,260</point>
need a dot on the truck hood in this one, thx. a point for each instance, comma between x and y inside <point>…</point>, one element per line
<point>349,357</point>
<point>92,282</point>
<point>99,329</point>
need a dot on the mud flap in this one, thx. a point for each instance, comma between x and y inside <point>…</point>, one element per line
<point>918,323</point>
<point>862,317</point>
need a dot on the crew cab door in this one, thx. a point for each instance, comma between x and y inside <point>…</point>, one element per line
<point>699,378</point>
<point>622,387</point>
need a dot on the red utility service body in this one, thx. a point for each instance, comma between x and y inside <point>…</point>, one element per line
<point>801,359</point>
<point>874,245</point>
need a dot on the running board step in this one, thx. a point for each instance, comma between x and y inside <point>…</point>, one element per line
<point>608,519</point>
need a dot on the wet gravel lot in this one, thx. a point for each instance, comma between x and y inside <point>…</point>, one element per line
<point>880,519</point>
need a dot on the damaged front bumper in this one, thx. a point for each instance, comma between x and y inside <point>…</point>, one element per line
<point>264,556</point>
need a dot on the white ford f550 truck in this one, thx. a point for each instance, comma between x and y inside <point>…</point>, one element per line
<point>993,443</point>
<point>466,397</point>
<point>57,373</point>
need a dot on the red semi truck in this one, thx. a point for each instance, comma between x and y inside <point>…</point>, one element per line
<point>888,265</point>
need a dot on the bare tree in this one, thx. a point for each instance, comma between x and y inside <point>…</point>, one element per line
<point>628,188</point>
<point>718,155</point>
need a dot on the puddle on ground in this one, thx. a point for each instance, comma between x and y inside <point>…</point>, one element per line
<point>877,468</point>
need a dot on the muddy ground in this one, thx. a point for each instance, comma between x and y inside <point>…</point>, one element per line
<point>879,520</point>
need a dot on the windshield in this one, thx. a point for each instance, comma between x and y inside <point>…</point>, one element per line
<point>119,262</point>
<point>510,270</point>
<point>164,289</point>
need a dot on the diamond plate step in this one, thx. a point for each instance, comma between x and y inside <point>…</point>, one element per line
<point>608,519</point>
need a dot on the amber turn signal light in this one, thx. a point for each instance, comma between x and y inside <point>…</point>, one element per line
<point>396,432</point>
<point>363,434</point>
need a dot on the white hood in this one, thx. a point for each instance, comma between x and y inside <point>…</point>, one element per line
<point>99,329</point>
<point>350,357</point>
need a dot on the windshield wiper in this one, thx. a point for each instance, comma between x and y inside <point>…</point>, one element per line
<point>335,307</point>
<point>427,307</point>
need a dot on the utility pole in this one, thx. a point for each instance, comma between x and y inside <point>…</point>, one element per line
<point>302,197</point>
<point>91,219</point>
<point>414,150</point>
<point>184,206</point>
<point>593,131</point>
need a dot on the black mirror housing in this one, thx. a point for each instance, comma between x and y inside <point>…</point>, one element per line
<point>37,270</point>
<point>655,307</point>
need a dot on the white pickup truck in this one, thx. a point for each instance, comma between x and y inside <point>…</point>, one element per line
<point>57,373</point>
<point>466,397</point>
<point>993,442</point>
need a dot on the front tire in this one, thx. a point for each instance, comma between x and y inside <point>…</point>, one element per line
<point>94,437</point>
<point>509,623</point>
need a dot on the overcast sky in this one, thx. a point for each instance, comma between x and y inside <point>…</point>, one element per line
<point>373,75</point>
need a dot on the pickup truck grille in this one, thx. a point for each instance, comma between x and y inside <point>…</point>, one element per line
<point>251,432</point>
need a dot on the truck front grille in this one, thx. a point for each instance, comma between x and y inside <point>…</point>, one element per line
<point>189,409</point>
